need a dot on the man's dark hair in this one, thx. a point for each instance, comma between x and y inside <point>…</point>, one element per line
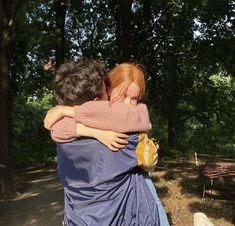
<point>76,83</point>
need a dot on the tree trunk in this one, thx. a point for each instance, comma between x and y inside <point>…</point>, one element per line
<point>114,6</point>
<point>5,40</point>
<point>122,14</point>
<point>125,16</point>
<point>145,30</point>
<point>171,131</point>
<point>60,21</point>
<point>173,99</point>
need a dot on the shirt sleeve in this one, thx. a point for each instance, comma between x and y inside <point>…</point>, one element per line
<point>64,130</point>
<point>117,117</point>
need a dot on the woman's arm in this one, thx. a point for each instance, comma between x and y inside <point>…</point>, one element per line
<point>118,116</point>
<point>114,141</point>
<point>57,113</point>
<point>146,151</point>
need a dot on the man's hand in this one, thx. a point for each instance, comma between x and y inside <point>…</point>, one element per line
<point>56,113</point>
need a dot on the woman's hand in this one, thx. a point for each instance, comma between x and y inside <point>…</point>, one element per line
<point>112,140</point>
<point>56,113</point>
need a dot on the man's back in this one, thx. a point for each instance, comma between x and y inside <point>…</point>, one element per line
<point>104,187</point>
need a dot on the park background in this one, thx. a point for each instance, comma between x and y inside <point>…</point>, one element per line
<point>186,46</point>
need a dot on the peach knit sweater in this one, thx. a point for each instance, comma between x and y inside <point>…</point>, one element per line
<point>117,117</point>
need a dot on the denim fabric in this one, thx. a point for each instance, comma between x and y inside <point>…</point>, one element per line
<point>162,213</point>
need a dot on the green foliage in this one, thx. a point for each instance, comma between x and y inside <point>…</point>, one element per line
<point>209,126</point>
<point>187,48</point>
<point>30,142</point>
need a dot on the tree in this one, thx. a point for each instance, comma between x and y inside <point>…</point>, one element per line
<point>121,10</point>
<point>181,44</point>
<point>60,21</point>
<point>6,21</point>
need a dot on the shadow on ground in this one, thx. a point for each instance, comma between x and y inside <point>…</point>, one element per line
<point>181,186</point>
<point>41,203</point>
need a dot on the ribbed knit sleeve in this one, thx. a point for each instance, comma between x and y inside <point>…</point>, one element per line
<point>64,130</point>
<point>117,117</point>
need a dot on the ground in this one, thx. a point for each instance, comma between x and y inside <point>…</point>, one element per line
<point>180,187</point>
<point>177,183</point>
<point>40,202</point>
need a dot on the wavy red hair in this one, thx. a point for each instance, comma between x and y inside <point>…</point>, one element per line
<point>124,74</point>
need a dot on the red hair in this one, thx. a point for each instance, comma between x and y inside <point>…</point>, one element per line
<point>124,74</point>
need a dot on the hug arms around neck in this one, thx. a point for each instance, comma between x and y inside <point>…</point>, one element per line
<point>103,115</point>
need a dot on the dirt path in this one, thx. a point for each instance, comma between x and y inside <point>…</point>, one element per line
<point>178,186</point>
<point>40,205</point>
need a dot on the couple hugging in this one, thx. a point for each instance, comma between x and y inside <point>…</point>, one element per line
<point>104,154</point>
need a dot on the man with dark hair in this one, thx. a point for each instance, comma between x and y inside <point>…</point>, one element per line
<point>77,83</point>
<point>100,187</point>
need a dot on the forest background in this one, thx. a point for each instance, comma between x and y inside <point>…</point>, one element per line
<point>186,46</point>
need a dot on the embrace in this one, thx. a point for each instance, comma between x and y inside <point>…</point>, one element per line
<point>104,153</point>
